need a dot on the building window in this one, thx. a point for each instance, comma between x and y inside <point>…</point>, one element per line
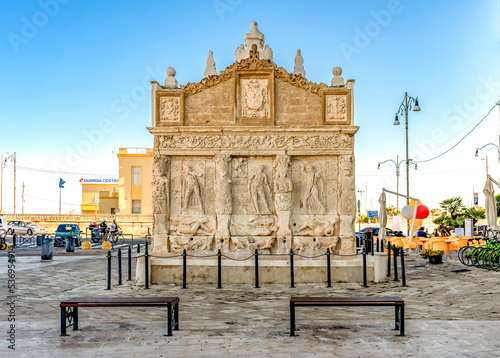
<point>136,176</point>
<point>136,206</point>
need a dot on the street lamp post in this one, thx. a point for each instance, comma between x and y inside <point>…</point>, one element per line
<point>398,164</point>
<point>12,158</point>
<point>484,146</point>
<point>408,103</point>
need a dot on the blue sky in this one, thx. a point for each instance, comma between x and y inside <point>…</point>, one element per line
<point>70,67</point>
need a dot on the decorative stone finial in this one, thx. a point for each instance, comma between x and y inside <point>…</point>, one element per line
<point>254,37</point>
<point>170,81</point>
<point>337,79</point>
<point>299,65</point>
<point>210,69</point>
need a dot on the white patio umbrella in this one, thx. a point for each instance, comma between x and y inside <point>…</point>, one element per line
<point>490,206</point>
<point>382,217</point>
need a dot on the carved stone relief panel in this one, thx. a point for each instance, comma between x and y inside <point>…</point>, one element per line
<point>254,98</point>
<point>161,193</point>
<point>192,225</point>
<point>336,108</point>
<point>252,186</point>
<point>253,225</point>
<point>192,186</point>
<point>347,185</point>
<point>170,109</point>
<point>316,225</point>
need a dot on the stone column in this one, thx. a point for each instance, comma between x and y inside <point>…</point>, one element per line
<point>283,197</point>
<point>347,205</point>
<point>223,199</point>
<point>161,201</point>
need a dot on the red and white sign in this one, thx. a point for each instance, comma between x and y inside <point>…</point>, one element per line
<point>117,210</point>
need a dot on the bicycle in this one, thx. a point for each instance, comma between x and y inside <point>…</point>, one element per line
<point>118,238</point>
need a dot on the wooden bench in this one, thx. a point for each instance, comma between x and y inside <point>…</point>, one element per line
<point>397,302</point>
<point>69,308</point>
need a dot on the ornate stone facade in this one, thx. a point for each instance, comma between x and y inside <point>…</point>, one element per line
<point>254,158</point>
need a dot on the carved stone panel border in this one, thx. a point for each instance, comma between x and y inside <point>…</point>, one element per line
<point>254,94</point>
<point>169,108</point>
<point>336,106</point>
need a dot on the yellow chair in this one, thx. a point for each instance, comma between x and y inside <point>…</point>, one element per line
<point>439,244</point>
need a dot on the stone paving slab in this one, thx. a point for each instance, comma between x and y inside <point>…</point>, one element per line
<point>448,315</point>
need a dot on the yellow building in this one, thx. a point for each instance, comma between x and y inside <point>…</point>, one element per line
<point>99,196</point>
<point>136,174</point>
<point>131,193</point>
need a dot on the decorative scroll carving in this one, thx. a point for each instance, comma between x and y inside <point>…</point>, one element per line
<point>255,98</point>
<point>170,109</point>
<point>336,108</point>
<point>192,192</point>
<point>312,199</point>
<point>260,191</point>
<point>161,193</point>
<point>253,63</point>
<point>338,141</point>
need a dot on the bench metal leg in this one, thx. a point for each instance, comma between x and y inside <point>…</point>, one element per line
<point>400,320</point>
<point>176,316</point>
<point>292,320</point>
<point>75,318</point>
<point>170,309</point>
<point>63,322</point>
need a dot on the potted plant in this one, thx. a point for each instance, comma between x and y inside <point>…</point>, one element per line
<point>434,256</point>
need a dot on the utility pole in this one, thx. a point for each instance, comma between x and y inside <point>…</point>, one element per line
<point>1,190</point>
<point>23,198</point>
<point>15,165</point>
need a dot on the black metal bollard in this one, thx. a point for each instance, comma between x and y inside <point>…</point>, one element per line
<point>365,283</point>
<point>146,245</point>
<point>403,275</point>
<point>146,268</point>
<point>129,263</point>
<point>395,264</point>
<point>372,244</point>
<point>256,268</point>
<point>292,277</point>
<point>184,257</point>
<point>378,244</point>
<point>328,268</point>
<point>138,248</point>
<point>219,269</point>
<point>120,267</point>
<point>109,271</point>
<point>388,259</point>
<point>14,240</point>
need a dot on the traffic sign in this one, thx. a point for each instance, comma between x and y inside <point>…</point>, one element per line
<point>117,210</point>
<point>372,214</point>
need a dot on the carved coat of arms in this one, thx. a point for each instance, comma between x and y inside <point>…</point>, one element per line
<point>169,109</point>
<point>254,98</point>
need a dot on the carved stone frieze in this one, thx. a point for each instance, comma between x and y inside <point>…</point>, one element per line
<point>316,226</point>
<point>337,141</point>
<point>253,225</point>
<point>313,201</point>
<point>192,225</point>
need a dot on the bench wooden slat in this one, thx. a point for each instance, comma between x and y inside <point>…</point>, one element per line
<point>354,301</point>
<point>120,300</point>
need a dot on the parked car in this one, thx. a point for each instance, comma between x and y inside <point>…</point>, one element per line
<point>3,223</point>
<point>375,230</point>
<point>24,227</point>
<point>68,230</point>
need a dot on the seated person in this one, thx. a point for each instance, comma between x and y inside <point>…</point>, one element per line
<point>420,232</point>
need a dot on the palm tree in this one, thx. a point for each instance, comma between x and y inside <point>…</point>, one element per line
<point>453,207</point>
<point>474,214</point>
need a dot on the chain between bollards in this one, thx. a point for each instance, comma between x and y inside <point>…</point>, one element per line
<point>403,275</point>
<point>292,277</point>
<point>184,257</point>
<point>120,267</point>
<point>328,268</point>
<point>219,269</point>
<point>146,267</point>
<point>256,268</point>
<point>129,263</point>
<point>109,271</point>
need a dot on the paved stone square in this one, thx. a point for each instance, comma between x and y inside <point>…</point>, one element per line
<point>448,314</point>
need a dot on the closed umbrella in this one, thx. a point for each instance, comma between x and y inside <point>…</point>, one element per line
<point>490,206</point>
<point>382,217</point>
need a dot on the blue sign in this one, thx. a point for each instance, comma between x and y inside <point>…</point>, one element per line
<point>372,214</point>
<point>61,183</point>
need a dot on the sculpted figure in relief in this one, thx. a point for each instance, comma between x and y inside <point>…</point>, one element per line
<point>223,184</point>
<point>283,183</point>
<point>193,226</point>
<point>347,188</point>
<point>161,192</point>
<point>313,192</point>
<point>256,226</point>
<point>192,191</point>
<point>316,227</point>
<point>259,189</point>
